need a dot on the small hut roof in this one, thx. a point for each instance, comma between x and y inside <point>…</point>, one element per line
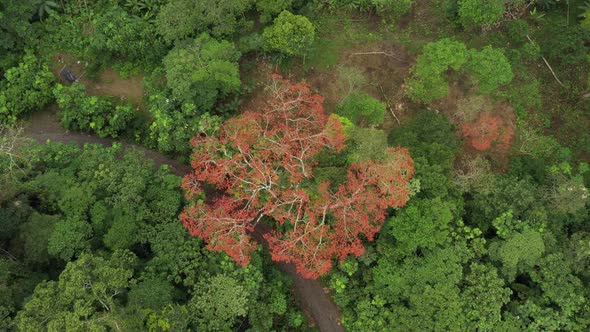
<point>68,75</point>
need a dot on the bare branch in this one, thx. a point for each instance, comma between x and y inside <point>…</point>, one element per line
<point>548,65</point>
<point>10,138</point>
<point>378,53</point>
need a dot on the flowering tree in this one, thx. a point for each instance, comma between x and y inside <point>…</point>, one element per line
<point>261,165</point>
<point>486,131</point>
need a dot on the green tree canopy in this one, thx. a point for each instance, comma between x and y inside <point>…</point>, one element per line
<point>484,295</point>
<point>180,19</point>
<point>203,70</point>
<point>34,235</point>
<point>218,302</point>
<point>291,35</point>
<point>490,69</point>
<point>86,297</point>
<point>16,30</point>
<point>362,109</point>
<point>118,36</point>
<point>422,224</point>
<point>427,81</point>
<point>518,253</point>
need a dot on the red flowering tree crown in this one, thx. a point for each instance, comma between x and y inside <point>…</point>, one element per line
<point>261,163</point>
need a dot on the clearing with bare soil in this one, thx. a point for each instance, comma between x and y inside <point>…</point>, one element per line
<point>108,82</point>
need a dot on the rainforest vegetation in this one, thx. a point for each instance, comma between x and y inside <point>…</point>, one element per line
<point>227,165</point>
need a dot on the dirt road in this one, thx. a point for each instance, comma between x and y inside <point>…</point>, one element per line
<point>314,300</point>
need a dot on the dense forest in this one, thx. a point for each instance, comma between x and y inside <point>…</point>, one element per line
<point>202,165</point>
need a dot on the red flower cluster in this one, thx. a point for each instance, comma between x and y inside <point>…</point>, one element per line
<point>486,131</point>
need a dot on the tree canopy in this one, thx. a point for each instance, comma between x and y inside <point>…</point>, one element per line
<point>424,162</point>
<point>290,34</point>
<point>260,162</point>
<point>202,71</point>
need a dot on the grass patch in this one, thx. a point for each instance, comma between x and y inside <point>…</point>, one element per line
<point>336,34</point>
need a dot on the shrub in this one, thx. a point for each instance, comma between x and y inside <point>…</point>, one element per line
<point>531,52</point>
<point>291,35</point>
<point>518,30</point>
<point>27,88</point>
<point>250,43</point>
<point>564,45</point>
<point>362,109</point>
<point>118,35</point>
<point>271,8</point>
<point>174,125</point>
<point>489,69</point>
<point>79,111</point>
<point>523,95</point>
<point>394,8</point>
<point>585,23</point>
<point>475,13</point>
<point>427,83</point>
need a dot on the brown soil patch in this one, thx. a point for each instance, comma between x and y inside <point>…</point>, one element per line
<point>385,74</point>
<point>448,104</point>
<point>384,71</point>
<point>385,66</point>
<point>108,82</point>
<point>256,78</point>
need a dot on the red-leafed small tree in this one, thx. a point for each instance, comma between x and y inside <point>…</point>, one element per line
<point>261,165</point>
<point>486,131</point>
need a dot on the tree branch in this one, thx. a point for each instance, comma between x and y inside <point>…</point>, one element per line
<point>378,53</point>
<point>548,66</point>
<point>388,104</point>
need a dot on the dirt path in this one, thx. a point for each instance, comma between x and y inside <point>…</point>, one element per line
<point>314,300</point>
<point>44,126</point>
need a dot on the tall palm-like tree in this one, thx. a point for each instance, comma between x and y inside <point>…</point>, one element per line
<point>45,8</point>
<point>143,8</point>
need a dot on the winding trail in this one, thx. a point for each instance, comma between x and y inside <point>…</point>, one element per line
<point>314,299</point>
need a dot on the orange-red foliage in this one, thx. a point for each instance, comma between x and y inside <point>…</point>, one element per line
<point>486,131</point>
<point>258,164</point>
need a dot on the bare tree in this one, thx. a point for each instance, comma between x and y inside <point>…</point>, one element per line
<point>474,174</point>
<point>350,80</point>
<point>10,139</point>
